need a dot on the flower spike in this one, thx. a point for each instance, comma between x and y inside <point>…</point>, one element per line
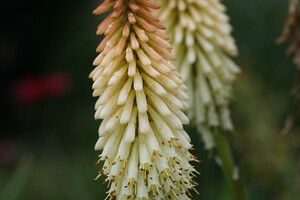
<point>141,98</point>
<point>200,33</point>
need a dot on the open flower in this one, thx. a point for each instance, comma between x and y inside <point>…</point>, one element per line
<point>200,33</point>
<point>141,98</point>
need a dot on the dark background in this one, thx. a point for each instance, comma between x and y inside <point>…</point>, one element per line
<point>47,126</point>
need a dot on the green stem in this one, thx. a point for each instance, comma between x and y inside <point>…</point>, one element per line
<point>227,165</point>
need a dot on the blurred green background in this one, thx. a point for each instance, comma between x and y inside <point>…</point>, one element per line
<point>47,127</point>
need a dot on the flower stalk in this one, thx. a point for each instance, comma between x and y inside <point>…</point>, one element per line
<point>230,170</point>
<point>291,32</point>
<point>141,98</point>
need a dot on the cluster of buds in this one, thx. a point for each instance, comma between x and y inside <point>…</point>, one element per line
<point>200,34</point>
<point>141,98</point>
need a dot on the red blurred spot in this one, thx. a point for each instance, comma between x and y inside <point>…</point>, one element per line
<point>32,89</point>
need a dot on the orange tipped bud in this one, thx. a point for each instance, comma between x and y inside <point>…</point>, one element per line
<point>102,8</point>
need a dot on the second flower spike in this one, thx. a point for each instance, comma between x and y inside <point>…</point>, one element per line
<point>200,33</point>
<point>140,100</point>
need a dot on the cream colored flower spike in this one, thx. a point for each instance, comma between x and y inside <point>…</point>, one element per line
<point>140,99</point>
<point>200,33</point>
